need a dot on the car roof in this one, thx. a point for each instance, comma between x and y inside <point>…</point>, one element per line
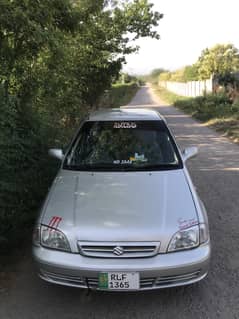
<point>125,114</point>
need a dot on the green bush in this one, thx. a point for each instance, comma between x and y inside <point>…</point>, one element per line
<point>235,107</point>
<point>119,94</point>
<point>25,169</point>
<point>217,110</point>
<point>207,107</point>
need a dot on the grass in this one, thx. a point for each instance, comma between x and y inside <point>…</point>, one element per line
<point>167,96</point>
<point>229,126</point>
<point>215,111</point>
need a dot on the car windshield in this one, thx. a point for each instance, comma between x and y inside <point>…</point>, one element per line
<point>123,145</point>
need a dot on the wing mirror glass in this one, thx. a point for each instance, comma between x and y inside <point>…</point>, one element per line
<point>189,152</point>
<point>57,153</point>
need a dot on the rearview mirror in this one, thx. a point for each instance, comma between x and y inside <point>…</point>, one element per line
<point>189,152</point>
<point>57,153</point>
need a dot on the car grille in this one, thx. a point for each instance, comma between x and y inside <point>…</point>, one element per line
<point>145,283</point>
<point>118,250</point>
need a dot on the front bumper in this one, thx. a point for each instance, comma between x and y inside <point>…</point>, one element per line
<point>161,271</point>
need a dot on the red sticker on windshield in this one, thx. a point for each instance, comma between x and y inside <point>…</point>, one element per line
<point>125,125</point>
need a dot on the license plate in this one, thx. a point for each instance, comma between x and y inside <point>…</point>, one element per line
<point>119,280</point>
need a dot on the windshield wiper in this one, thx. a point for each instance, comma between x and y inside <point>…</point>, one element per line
<point>89,167</point>
<point>110,167</point>
<point>158,166</point>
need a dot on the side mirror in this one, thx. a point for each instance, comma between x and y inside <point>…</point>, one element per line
<point>57,153</point>
<point>189,152</point>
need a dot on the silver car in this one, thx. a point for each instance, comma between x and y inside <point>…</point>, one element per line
<point>122,213</point>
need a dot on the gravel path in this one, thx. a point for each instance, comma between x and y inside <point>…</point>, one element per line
<point>215,173</point>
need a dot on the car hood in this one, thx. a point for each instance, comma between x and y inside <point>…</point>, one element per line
<point>120,206</point>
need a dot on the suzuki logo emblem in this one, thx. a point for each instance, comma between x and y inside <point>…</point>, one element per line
<point>118,251</point>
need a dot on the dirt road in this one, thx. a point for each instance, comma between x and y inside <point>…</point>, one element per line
<point>215,173</point>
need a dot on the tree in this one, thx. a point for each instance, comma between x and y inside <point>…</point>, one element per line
<point>165,76</point>
<point>56,59</point>
<point>157,72</point>
<point>99,34</point>
<point>154,75</point>
<point>84,63</point>
<point>220,60</point>
<point>26,28</point>
<point>178,75</point>
<point>191,73</point>
<point>111,29</point>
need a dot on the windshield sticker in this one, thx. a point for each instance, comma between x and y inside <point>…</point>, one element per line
<point>186,223</point>
<point>133,159</point>
<point>125,125</point>
<point>138,158</point>
<point>55,221</point>
<point>117,162</point>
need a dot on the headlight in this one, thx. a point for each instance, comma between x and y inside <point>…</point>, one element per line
<point>53,238</point>
<point>185,239</point>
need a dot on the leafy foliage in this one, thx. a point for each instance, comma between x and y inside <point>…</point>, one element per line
<point>165,76</point>
<point>185,74</point>
<point>215,109</point>
<point>154,75</point>
<point>205,107</point>
<point>118,95</point>
<point>191,73</point>
<point>220,60</point>
<point>156,72</point>
<point>177,76</point>
<point>57,57</point>
<point>24,173</point>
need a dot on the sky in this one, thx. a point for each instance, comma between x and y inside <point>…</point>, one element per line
<point>188,27</point>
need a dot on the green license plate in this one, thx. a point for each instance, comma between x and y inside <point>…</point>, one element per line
<point>119,281</point>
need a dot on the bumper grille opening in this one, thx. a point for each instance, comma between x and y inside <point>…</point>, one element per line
<point>62,278</point>
<point>168,280</point>
<point>145,283</point>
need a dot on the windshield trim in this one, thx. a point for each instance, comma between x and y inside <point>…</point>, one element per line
<point>121,168</point>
